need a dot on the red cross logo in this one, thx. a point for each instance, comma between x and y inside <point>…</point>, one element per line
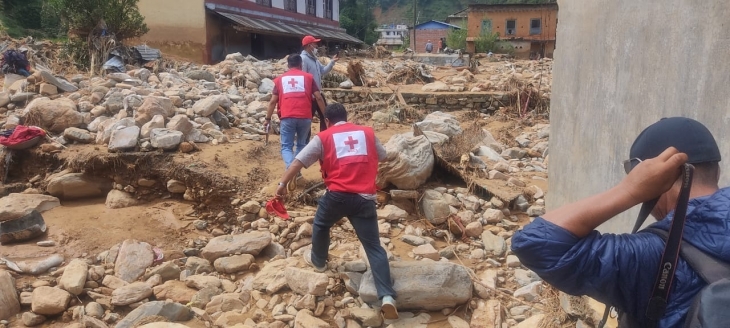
<point>293,83</point>
<point>351,142</point>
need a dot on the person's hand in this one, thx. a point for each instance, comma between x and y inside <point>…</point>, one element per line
<point>335,58</point>
<point>281,192</point>
<point>653,177</point>
<point>267,123</point>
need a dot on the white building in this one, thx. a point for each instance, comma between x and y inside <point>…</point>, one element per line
<point>392,36</point>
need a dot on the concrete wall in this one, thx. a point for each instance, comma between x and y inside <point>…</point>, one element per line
<point>174,20</point>
<point>622,65</point>
<point>422,37</point>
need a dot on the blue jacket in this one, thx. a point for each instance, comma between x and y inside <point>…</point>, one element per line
<point>621,269</point>
<point>311,65</point>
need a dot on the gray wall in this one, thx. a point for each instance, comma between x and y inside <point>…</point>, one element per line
<point>622,65</point>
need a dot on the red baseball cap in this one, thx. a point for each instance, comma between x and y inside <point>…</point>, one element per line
<point>309,39</point>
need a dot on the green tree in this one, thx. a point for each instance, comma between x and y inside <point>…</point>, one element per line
<point>122,17</point>
<point>456,39</point>
<point>356,16</point>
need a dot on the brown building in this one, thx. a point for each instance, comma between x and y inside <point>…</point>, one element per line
<point>529,28</point>
<point>207,30</point>
<point>430,31</point>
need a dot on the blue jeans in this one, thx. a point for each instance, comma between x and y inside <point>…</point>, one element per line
<point>361,212</point>
<point>23,72</point>
<point>293,129</point>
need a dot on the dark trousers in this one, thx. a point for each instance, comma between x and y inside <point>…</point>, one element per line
<point>362,214</point>
<point>318,112</point>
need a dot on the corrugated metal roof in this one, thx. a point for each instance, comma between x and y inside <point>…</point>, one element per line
<point>147,53</point>
<point>255,24</point>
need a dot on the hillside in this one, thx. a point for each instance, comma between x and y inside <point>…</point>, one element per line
<point>401,11</point>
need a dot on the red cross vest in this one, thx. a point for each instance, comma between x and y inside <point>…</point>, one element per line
<point>295,94</point>
<point>349,160</point>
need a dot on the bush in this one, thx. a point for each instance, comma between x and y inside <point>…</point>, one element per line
<point>122,17</point>
<point>456,39</point>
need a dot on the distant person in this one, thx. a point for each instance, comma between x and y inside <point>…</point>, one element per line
<point>15,62</point>
<point>311,65</point>
<point>348,155</point>
<point>429,46</point>
<point>292,93</point>
<point>438,50</point>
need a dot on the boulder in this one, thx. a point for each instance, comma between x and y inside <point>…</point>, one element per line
<point>78,135</point>
<point>306,319</point>
<point>430,286</point>
<point>166,139</point>
<point>272,277</point>
<point>168,310</point>
<point>53,115</point>
<point>120,199</point>
<point>267,86</point>
<point>435,207</point>
<point>74,276</point>
<point>9,303</point>
<point>31,319</point>
<point>157,122</point>
<point>133,259</point>
<point>50,300</point>
<point>392,213</point>
<point>305,282</point>
<point>226,303</point>
<point>409,162</point>
<point>180,123</point>
<point>247,243</point>
<point>16,205</point>
<point>200,74</point>
<point>435,87</point>
<point>174,290</point>
<point>233,264</point>
<point>167,271</point>
<point>131,293</point>
<point>23,228</point>
<point>77,185</point>
<point>494,244</point>
<point>124,138</point>
<point>442,123</point>
<point>153,106</point>
<point>346,85</point>
<point>206,106</point>
<point>176,187</point>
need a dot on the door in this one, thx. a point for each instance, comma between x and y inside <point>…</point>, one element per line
<point>486,26</point>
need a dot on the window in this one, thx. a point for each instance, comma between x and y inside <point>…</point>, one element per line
<point>511,27</point>
<point>311,8</point>
<point>535,26</point>
<point>290,5</point>
<point>487,26</point>
<point>266,3</point>
<point>328,8</point>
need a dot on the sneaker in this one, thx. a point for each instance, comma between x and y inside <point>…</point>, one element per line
<point>388,308</point>
<point>308,258</point>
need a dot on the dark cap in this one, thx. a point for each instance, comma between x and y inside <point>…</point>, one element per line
<point>685,134</point>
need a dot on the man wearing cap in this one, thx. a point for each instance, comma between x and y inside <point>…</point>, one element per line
<point>311,65</point>
<point>292,93</point>
<point>564,249</point>
<point>348,155</point>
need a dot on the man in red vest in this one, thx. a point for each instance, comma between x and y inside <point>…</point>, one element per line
<point>348,156</point>
<point>293,92</point>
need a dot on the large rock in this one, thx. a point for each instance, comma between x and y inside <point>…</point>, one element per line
<point>50,300</point>
<point>174,290</point>
<point>4,99</point>
<point>9,303</point>
<point>421,285</point>
<point>31,319</point>
<point>78,185</point>
<point>442,123</point>
<point>306,319</point>
<point>247,243</point>
<point>392,213</point>
<point>206,106</point>
<point>233,264</point>
<point>78,135</point>
<point>157,122</point>
<point>120,199</point>
<point>166,139</point>
<point>272,277</point>
<point>200,75</point>
<point>153,106</point>
<point>437,86</point>
<point>168,310</point>
<point>74,276</point>
<point>167,271</point>
<point>124,138</point>
<point>267,86</point>
<point>306,281</point>
<point>227,302</point>
<point>435,207</point>
<point>493,244</point>
<point>131,293</point>
<point>180,123</point>
<point>133,259</point>
<point>15,205</point>
<point>409,162</point>
<point>53,115</point>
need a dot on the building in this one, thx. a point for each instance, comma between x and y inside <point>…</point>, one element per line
<point>531,29</point>
<point>207,30</point>
<point>431,30</point>
<point>392,36</point>
<point>458,18</point>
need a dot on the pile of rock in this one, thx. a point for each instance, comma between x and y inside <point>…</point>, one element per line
<point>141,110</point>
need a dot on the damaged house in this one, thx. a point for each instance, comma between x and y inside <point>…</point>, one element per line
<point>207,30</point>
